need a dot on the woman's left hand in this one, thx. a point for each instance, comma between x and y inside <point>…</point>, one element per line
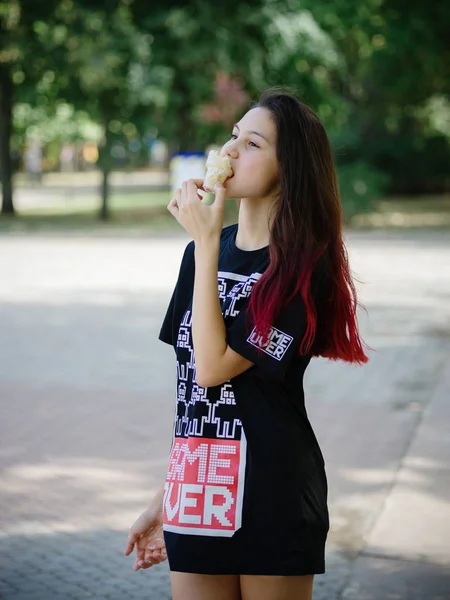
<point>204,222</point>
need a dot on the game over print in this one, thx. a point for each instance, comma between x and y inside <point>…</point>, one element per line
<point>204,486</point>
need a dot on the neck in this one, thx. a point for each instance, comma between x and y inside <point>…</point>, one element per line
<point>253,226</point>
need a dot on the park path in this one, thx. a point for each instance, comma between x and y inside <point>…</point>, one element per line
<point>87,398</point>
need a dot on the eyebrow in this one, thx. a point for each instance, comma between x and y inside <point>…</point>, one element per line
<point>255,132</point>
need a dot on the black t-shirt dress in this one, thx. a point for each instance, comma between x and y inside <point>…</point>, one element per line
<point>246,491</point>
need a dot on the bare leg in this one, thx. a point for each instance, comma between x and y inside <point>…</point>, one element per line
<point>268,587</point>
<point>190,586</point>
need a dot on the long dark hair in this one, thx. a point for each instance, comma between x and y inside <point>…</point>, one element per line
<point>305,231</point>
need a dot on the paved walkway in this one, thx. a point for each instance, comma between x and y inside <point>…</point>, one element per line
<point>87,397</point>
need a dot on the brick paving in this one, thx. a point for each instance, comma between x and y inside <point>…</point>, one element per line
<point>87,399</point>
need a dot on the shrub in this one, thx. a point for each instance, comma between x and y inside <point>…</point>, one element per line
<point>360,186</point>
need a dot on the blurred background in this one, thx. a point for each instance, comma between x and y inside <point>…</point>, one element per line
<point>97,97</point>
<point>105,105</point>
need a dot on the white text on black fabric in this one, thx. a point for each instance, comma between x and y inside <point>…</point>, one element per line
<point>276,344</point>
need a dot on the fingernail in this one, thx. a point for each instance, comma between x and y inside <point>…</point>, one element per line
<point>218,185</point>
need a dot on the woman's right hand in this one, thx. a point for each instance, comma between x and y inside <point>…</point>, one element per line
<point>147,535</point>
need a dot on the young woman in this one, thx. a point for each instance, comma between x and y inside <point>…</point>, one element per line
<point>244,506</point>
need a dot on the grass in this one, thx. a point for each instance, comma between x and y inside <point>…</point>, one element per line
<point>147,211</point>
<point>72,203</point>
<point>136,211</point>
<point>75,211</point>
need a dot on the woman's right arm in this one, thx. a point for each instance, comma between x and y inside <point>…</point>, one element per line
<point>146,535</point>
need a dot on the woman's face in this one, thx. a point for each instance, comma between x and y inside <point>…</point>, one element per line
<point>252,154</point>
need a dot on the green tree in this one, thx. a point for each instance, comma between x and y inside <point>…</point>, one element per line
<point>191,43</point>
<point>376,71</point>
<point>22,64</point>
<point>88,55</point>
<point>104,61</point>
<point>393,79</point>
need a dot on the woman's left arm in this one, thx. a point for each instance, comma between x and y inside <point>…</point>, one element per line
<point>215,361</point>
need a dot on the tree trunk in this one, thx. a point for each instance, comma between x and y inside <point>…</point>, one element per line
<point>104,211</point>
<point>6,100</point>
<point>105,166</point>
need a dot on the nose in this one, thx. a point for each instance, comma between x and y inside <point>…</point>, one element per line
<point>229,150</point>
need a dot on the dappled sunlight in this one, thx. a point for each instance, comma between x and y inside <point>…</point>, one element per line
<point>113,520</point>
<point>97,271</point>
<point>46,472</point>
<point>392,339</point>
<point>422,462</point>
<point>413,503</point>
<point>421,525</point>
<point>92,297</point>
<point>366,476</point>
<point>417,473</point>
<point>89,396</point>
<point>70,496</point>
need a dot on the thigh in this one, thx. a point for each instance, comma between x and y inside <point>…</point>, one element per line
<point>268,587</point>
<point>191,586</point>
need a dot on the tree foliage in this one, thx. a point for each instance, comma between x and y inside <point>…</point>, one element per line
<point>22,63</point>
<point>376,71</point>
